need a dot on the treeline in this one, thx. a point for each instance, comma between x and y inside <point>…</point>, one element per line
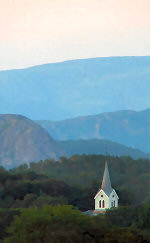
<point>25,190</point>
<point>74,181</point>
<point>128,176</point>
<point>57,224</point>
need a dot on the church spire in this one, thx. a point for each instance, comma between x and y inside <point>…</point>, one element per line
<point>106,197</point>
<point>106,183</point>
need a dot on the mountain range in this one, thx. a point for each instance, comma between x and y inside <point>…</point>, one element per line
<point>57,91</point>
<point>23,141</point>
<point>130,128</point>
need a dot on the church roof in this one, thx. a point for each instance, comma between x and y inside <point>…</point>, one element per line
<point>106,183</point>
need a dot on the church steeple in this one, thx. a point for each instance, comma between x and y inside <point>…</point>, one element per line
<point>106,183</point>
<point>106,197</point>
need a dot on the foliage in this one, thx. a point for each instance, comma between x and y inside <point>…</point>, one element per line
<point>73,181</point>
<point>128,176</point>
<point>6,216</point>
<point>67,224</point>
<point>40,202</point>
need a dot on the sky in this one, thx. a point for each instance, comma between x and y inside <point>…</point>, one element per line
<point>41,31</point>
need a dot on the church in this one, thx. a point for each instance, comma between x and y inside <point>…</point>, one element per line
<point>106,196</point>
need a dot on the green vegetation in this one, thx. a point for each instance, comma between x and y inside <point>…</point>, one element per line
<point>67,224</point>
<point>128,176</point>
<point>46,197</point>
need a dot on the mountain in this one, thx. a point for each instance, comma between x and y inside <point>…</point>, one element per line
<point>23,141</point>
<point>58,91</point>
<point>130,128</point>
<point>99,146</point>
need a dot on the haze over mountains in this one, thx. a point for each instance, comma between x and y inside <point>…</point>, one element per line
<point>23,141</point>
<point>76,88</point>
<point>130,128</point>
<point>56,91</point>
<point>100,146</point>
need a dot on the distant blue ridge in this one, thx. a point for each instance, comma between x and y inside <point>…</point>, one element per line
<point>74,88</point>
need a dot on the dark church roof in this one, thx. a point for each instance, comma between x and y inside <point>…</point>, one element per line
<point>106,183</point>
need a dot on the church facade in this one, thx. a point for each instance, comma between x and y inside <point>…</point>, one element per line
<point>106,196</point>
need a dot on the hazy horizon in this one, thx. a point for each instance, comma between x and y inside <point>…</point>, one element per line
<point>68,60</point>
<point>42,31</point>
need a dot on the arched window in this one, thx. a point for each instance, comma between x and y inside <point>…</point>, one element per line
<point>114,203</point>
<point>100,204</point>
<point>103,203</point>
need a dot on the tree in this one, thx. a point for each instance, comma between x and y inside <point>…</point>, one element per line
<point>51,224</point>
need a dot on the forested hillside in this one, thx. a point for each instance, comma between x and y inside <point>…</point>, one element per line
<point>67,224</point>
<point>128,176</point>
<point>39,196</point>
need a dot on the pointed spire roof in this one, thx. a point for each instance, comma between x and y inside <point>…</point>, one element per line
<point>106,183</point>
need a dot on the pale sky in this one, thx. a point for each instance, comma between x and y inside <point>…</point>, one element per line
<point>40,31</point>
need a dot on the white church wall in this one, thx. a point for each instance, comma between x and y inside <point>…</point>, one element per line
<point>101,196</point>
<point>113,199</point>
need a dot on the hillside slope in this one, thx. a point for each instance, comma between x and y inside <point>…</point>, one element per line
<point>58,91</point>
<point>127,127</point>
<point>100,146</point>
<point>23,141</point>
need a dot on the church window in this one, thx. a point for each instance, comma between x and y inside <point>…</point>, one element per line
<point>114,203</point>
<point>100,203</point>
<point>101,195</point>
<point>103,203</point>
<point>113,195</point>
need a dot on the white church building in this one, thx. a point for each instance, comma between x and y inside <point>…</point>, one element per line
<point>106,196</point>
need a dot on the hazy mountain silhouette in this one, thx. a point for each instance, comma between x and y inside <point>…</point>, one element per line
<point>100,146</point>
<point>68,89</point>
<point>127,127</point>
<point>23,141</point>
